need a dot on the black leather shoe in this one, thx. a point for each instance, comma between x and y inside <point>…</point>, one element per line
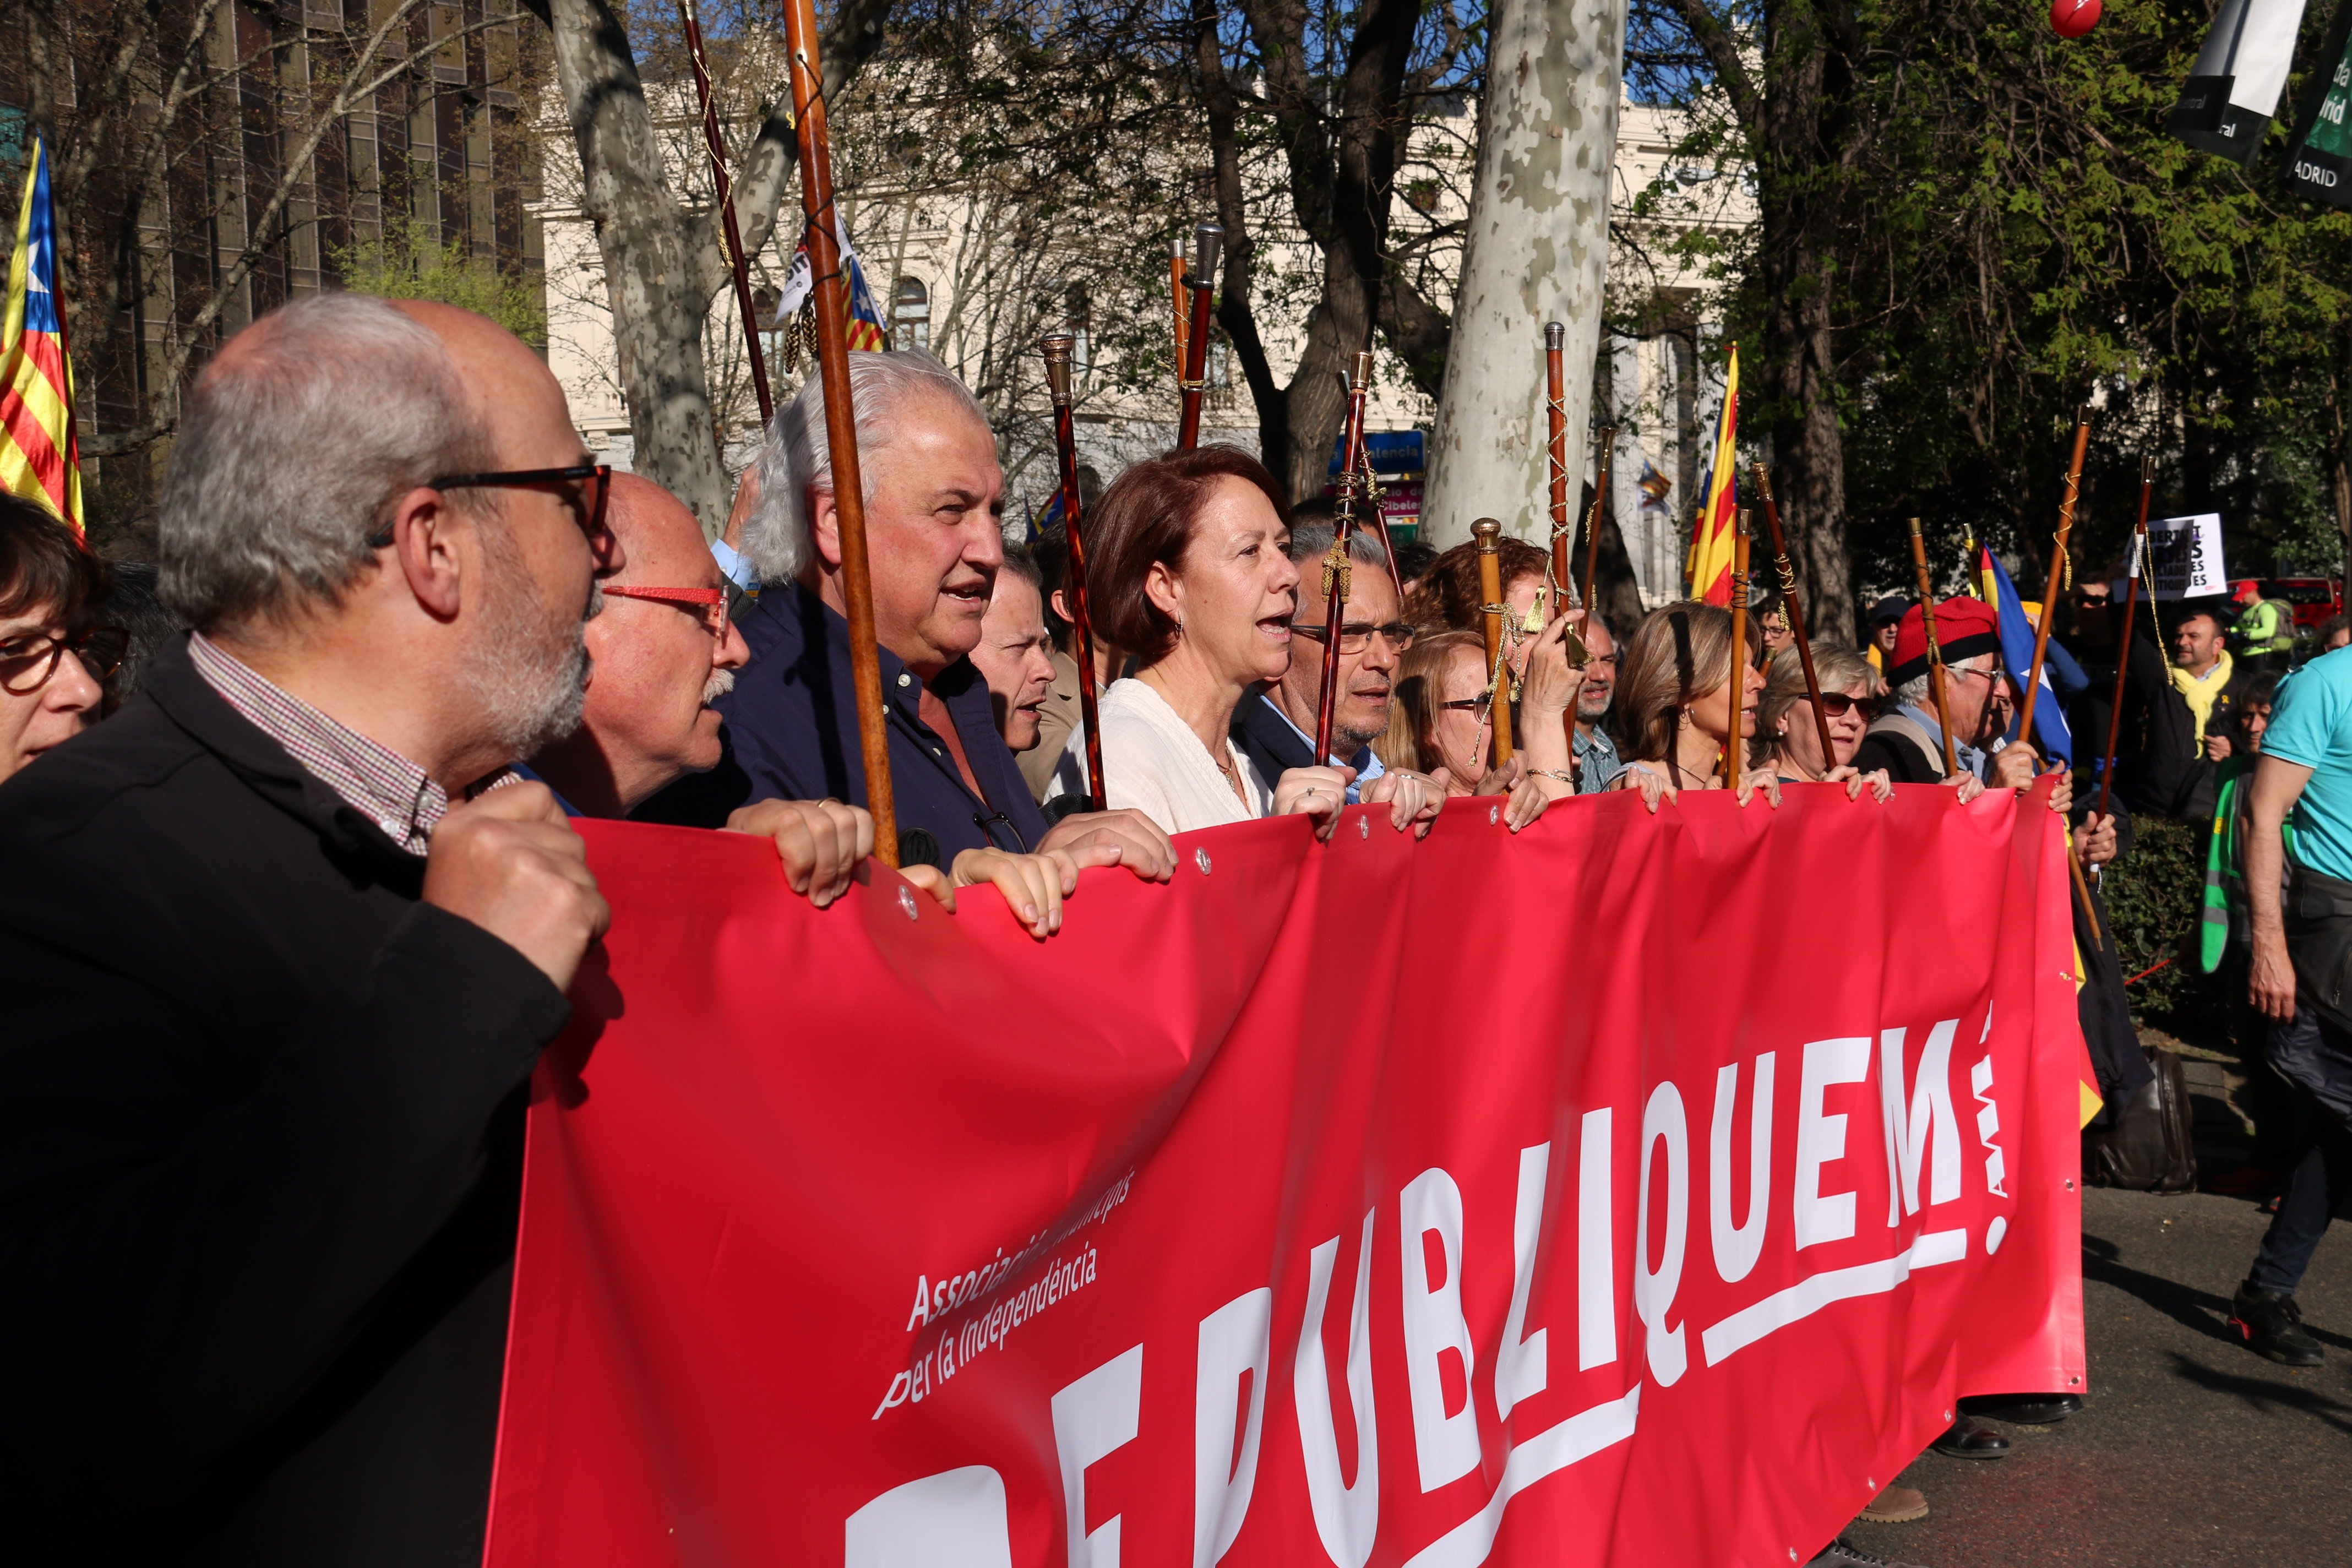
<point>2272,1326</point>
<point>1971,1439</point>
<point>2023,1409</point>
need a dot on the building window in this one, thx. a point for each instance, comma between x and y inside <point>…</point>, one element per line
<point>910,315</point>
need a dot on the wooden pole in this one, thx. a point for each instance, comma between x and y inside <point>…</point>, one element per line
<point>1592,518</point>
<point>1059,349</point>
<point>1935,650</point>
<point>1738,688</point>
<point>715,144</point>
<point>1556,414</point>
<point>2057,575</point>
<point>807,89</point>
<point>1202,282</point>
<point>1335,565</point>
<point>2123,648</point>
<point>1488,533</point>
<point>1795,611</point>
<point>1183,304</point>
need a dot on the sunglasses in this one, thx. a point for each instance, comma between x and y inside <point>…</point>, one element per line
<point>706,605</point>
<point>590,482</point>
<point>26,662</point>
<point>1357,635</point>
<point>1836,704</point>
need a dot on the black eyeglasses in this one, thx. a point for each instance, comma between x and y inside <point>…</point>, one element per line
<point>1838,704</point>
<point>592,483</point>
<point>1357,635</point>
<point>29,659</point>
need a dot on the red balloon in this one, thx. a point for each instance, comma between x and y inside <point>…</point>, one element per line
<point>2073,18</point>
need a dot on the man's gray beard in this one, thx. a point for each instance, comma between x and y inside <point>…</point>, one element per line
<point>720,683</point>
<point>529,675</point>
<point>1589,715</point>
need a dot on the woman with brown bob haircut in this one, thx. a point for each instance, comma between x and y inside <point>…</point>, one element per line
<point>1682,706</point>
<point>1187,570</point>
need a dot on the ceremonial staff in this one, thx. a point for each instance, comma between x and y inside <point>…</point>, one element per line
<point>1335,565</point>
<point>1739,687</point>
<point>1202,282</point>
<point>1935,650</point>
<point>1556,413</point>
<point>1592,518</point>
<point>1488,533</point>
<point>1182,302</point>
<point>807,89</point>
<point>2057,573</point>
<point>1056,348</point>
<point>1790,608</point>
<point>716,144</point>
<point>2123,648</point>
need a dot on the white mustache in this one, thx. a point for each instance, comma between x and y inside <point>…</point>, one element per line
<point>720,683</point>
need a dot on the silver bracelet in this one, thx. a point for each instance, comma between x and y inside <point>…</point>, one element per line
<point>1562,774</point>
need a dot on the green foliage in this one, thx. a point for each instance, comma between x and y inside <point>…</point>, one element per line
<point>410,262</point>
<point>2154,895</point>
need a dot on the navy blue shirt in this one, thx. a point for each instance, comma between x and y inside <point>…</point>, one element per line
<point>791,734</point>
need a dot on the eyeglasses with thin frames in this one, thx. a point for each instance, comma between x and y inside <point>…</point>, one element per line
<point>1357,635</point>
<point>30,658</point>
<point>708,605</point>
<point>592,482</point>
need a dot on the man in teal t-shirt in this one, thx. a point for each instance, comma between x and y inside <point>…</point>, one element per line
<point>2295,980</point>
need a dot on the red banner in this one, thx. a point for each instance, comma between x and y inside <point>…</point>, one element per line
<point>1639,1189</point>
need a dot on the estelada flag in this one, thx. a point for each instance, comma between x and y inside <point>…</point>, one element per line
<point>1711,533</point>
<point>864,329</point>
<point>39,458</point>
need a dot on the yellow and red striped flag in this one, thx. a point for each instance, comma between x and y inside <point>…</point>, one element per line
<point>39,458</point>
<point>1712,530</point>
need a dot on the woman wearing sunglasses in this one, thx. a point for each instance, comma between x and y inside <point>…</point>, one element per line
<point>1789,741</point>
<point>53,664</point>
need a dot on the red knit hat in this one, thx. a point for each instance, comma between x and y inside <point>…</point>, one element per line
<point>1965,627</point>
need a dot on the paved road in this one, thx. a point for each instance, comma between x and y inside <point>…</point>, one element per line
<point>2192,1451</point>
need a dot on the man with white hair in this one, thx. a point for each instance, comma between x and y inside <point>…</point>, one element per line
<point>275,988</point>
<point>934,505</point>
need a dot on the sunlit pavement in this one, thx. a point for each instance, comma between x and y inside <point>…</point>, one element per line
<point>2191,1449</point>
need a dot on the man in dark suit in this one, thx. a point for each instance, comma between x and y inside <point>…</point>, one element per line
<point>1277,726</point>
<point>934,527</point>
<point>274,987</point>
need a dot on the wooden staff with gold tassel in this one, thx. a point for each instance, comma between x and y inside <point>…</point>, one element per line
<point>1556,418</point>
<point>1202,282</point>
<point>1488,535</point>
<point>1059,349</point>
<point>806,85</point>
<point>1335,564</point>
<point>715,144</point>
<point>2123,648</point>
<point>1795,611</point>
<point>1935,650</point>
<point>1734,762</point>
<point>2059,564</point>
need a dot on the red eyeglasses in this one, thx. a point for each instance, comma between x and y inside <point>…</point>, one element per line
<point>709,603</point>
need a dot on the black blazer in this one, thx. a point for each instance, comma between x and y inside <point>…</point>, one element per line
<point>260,1138</point>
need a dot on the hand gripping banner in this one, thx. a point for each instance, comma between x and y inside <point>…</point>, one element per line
<point>1641,1189</point>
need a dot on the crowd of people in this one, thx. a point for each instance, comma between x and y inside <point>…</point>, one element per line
<point>289,903</point>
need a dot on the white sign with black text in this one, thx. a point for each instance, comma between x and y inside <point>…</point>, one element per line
<point>2184,557</point>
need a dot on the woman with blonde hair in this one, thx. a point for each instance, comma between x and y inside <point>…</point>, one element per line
<point>1685,713</point>
<point>1189,574</point>
<point>1789,740</point>
<point>1441,722</point>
